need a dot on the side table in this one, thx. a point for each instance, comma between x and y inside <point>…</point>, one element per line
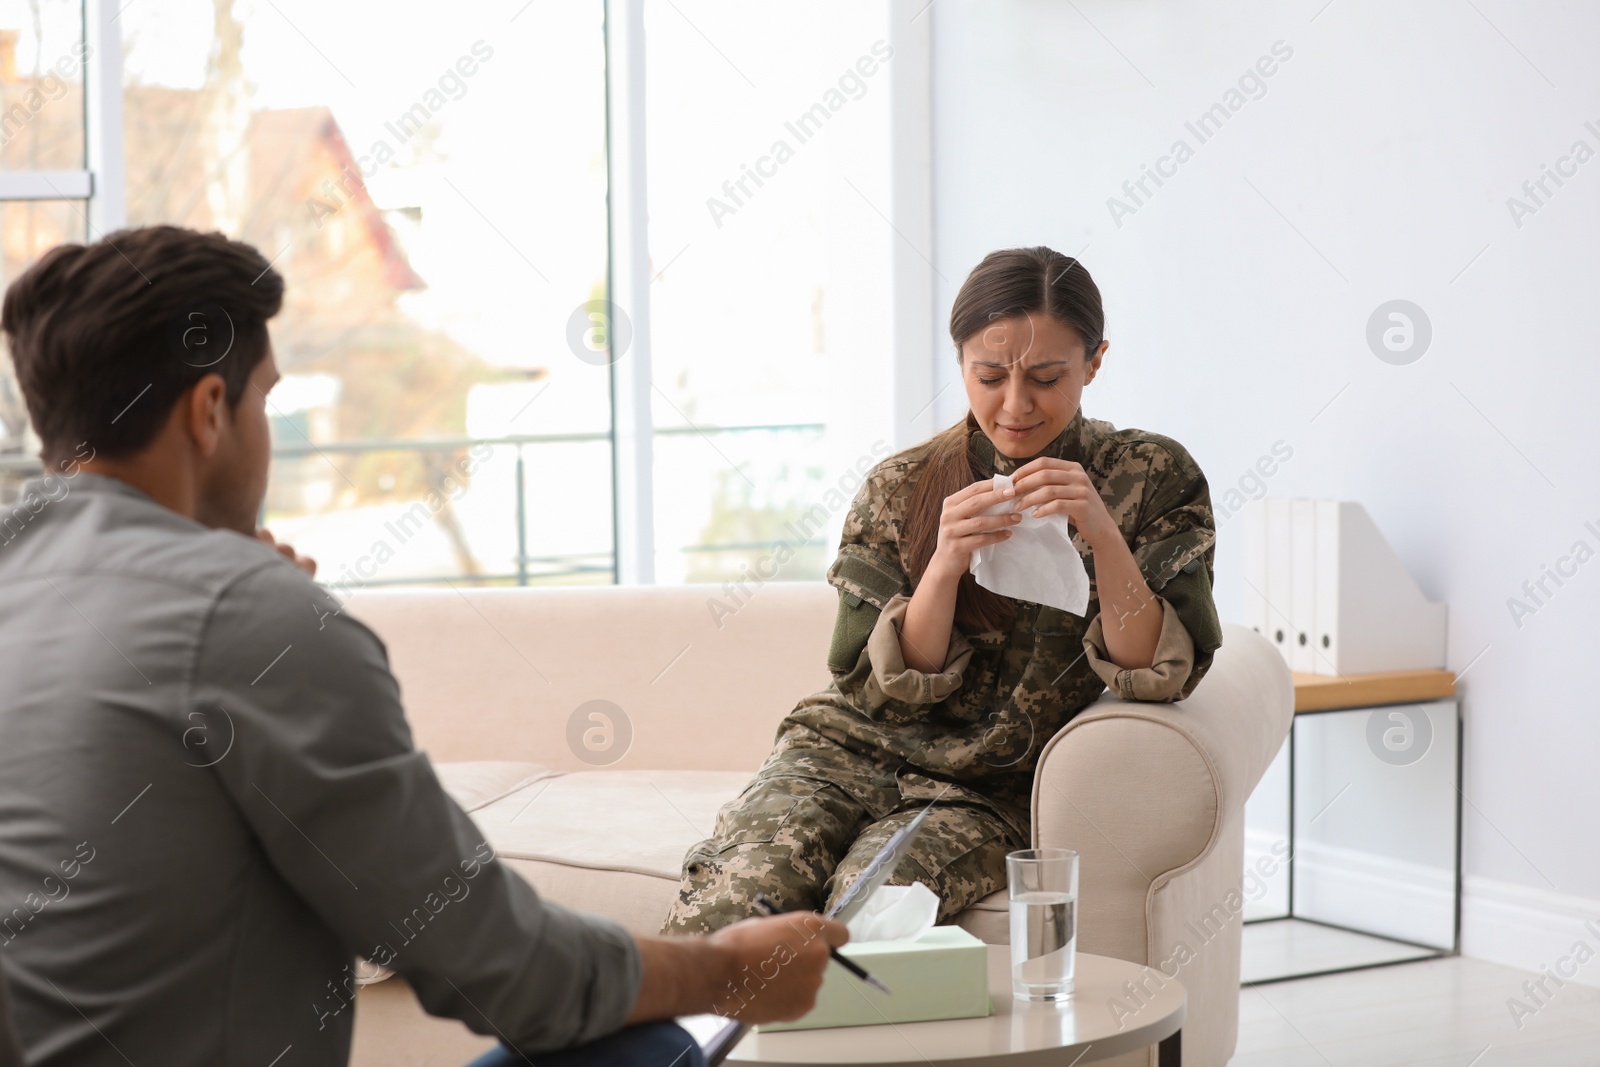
<point>1352,846</point>
<point>1082,1029</point>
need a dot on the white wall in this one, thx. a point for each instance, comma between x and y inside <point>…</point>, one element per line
<point>1376,164</point>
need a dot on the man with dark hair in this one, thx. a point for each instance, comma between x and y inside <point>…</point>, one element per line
<point>209,799</point>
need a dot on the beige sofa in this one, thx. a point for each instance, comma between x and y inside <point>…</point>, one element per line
<point>598,812</point>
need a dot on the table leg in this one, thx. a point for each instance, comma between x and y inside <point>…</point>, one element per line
<point>1170,1052</point>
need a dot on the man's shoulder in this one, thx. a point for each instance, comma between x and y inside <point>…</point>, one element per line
<point>209,564</point>
<point>116,535</point>
<point>278,613</point>
<point>236,591</point>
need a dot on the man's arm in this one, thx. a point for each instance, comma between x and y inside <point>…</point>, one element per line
<point>353,818</point>
<point>323,770</point>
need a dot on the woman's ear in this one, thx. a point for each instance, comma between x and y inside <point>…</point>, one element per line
<point>1094,363</point>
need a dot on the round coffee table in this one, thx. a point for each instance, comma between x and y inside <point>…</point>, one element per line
<point>1017,1034</point>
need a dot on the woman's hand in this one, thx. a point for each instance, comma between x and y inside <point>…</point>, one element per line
<point>1061,487</point>
<point>930,617</point>
<point>963,528</point>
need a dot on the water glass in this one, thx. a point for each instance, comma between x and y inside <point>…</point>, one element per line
<point>1044,922</point>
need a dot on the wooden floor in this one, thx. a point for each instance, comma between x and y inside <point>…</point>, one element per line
<point>1436,1013</point>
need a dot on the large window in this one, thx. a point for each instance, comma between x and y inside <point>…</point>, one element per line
<point>768,126</point>
<point>42,169</point>
<point>432,182</point>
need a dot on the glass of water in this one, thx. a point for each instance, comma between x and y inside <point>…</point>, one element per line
<point>1044,922</point>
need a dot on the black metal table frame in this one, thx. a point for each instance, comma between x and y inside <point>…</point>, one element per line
<point>1432,951</point>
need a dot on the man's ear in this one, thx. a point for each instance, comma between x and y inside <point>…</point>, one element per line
<point>205,408</point>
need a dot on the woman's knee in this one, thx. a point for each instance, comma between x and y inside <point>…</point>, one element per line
<point>960,854</point>
<point>963,879</point>
<point>781,837</point>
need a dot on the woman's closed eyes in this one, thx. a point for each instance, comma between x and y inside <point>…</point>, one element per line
<point>1036,381</point>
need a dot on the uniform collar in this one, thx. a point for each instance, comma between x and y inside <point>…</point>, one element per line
<point>1072,444</point>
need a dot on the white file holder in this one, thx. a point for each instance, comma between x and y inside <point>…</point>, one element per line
<point>1303,585</point>
<point>1257,615</point>
<point>1370,615</point>
<point>1325,588</point>
<point>1269,554</point>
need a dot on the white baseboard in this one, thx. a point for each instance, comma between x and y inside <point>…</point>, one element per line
<point>1529,928</point>
<point>1267,894</point>
<point>1362,890</point>
<point>1519,926</point>
<point>1379,894</point>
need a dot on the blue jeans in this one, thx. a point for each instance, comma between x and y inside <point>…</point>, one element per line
<point>657,1044</point>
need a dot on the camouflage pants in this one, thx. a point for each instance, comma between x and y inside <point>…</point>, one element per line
<point>812,819</point>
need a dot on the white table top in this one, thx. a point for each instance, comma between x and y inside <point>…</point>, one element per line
<point>1017,1034</point>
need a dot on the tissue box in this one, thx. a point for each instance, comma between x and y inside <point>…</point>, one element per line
<point>944,974</point>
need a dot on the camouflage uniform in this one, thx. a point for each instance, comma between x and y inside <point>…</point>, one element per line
<point>856,761</point>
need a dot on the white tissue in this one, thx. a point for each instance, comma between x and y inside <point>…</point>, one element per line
<point>895,913</point>
<point>1037,562</point>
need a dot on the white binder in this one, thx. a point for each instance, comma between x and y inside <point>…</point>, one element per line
<point>1280,578</point>
<point>1254,517</point>
<point>1302,582</point>
<point>1370,616</point>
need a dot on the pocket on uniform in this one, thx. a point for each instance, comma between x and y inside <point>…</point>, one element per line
<point>966,873</point>
<point>758,814</point>
<point>851,628</point>
<point>865,583</point>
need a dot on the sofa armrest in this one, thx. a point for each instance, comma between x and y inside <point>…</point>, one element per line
<point>1140,789</point>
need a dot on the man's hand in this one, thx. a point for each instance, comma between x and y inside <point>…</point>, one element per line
<point>777,964</point>
<point>305,563</point>
<point>759,970</point>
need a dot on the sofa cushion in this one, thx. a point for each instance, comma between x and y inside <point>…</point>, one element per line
<point>608,842</point>
<point>478,783</point>
<point>989,920</point>
<point>612,842</point>
<point>635,821</point>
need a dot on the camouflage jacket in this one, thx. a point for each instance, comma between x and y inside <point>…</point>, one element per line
<point>1003,694</point>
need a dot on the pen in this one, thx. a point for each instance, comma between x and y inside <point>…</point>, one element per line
<point>767,907</point>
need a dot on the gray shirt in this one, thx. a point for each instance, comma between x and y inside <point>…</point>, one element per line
<point>210,804</point>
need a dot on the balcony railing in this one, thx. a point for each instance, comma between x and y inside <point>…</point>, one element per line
<point>14,468</point>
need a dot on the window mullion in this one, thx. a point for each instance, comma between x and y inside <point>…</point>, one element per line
<point>102,117</point>
<point>628,289</point>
